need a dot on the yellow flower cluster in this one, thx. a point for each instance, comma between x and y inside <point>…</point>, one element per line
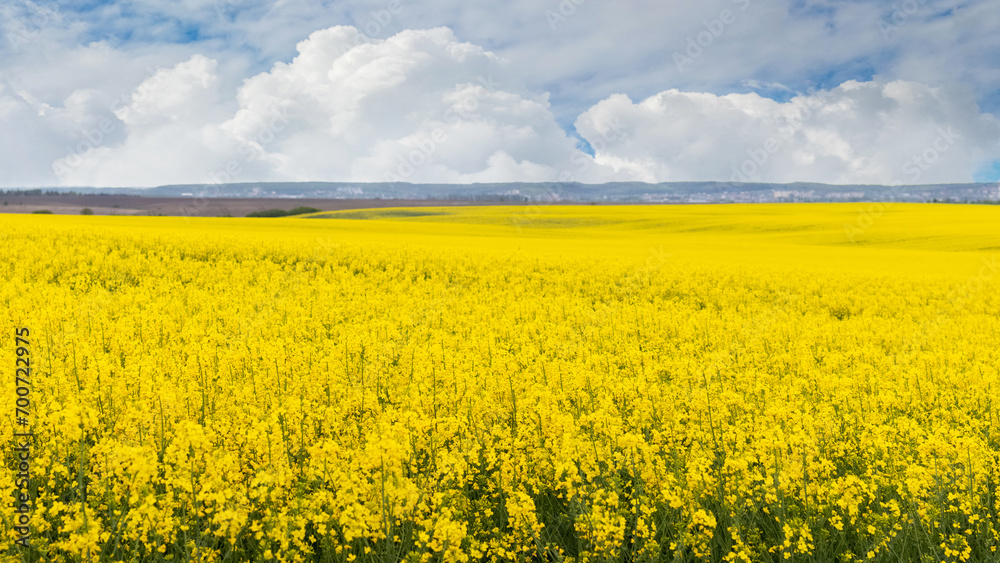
<point>698,383</point>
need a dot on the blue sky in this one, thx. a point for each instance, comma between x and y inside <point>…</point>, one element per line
<point>989,173</point>
<point>570,63</point>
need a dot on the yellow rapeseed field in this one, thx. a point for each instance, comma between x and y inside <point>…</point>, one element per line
<point>588,383</point>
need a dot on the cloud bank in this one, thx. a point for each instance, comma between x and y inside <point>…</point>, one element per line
<point>424,106</point>
<point>420,106</point>
<point>859,132</point>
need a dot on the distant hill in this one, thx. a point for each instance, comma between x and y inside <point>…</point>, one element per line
<point>669,192</point>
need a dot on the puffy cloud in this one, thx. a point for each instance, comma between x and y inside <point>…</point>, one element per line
<point>23,143</point>
<point>163,131</point>
<point>418,107</point>
<point>859,132</point>
<point>172,95</point>
<point>371,104</point>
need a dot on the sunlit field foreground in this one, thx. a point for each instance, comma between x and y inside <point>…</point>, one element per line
<point>691,383</point>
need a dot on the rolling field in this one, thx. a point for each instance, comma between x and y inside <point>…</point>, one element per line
<point>587,384</point>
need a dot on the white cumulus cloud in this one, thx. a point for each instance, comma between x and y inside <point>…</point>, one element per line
<point>873,132</point>
<point>162,133</point>
<point>423,106</point>
<point>420,106</point>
